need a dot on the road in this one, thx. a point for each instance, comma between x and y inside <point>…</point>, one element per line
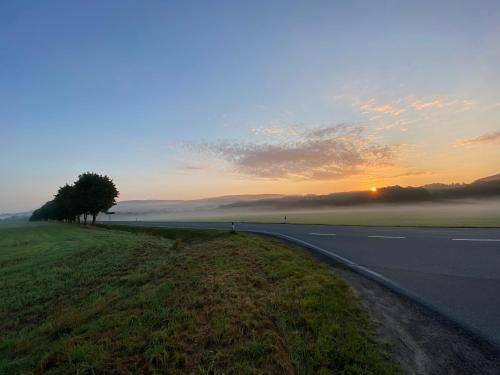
<point>456,271</point>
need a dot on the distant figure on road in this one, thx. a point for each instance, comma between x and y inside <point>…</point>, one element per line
<point>233,226</point>
<point>284,221</point>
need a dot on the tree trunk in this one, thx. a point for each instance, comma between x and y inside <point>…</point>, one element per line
<point>85,219</point>
<point>93,218</point>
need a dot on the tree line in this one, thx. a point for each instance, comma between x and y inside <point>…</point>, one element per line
<point>390,194</point>
<point>89,195</point>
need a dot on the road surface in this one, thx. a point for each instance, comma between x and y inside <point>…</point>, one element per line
<point>454,270</point>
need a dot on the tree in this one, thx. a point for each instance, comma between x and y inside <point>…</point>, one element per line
<point>47,212</point>
<point>66,203</point>
<point>91,194</point>
<point>94,193</point>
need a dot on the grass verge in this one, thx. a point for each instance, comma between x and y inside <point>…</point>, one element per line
<point>102,300</point>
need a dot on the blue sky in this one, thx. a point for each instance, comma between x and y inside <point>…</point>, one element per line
<point>152,93</point>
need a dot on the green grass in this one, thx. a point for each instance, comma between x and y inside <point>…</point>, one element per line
<point>98,300</point>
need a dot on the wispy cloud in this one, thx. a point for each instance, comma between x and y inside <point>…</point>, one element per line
<point>336,151</point>
<point>421,104</point>
<point>410,104</point>
<point>409,174</point>
<point>492,137</point>
<point>192,167</point>
<point>386,108</point>
<point>274,131</point>
<point>408,111</point>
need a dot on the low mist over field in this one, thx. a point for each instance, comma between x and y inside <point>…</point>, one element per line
<point>467,213</point>
<point>146,206</point>
<point>475,204</point>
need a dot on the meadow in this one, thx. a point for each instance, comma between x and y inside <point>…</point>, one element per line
<point>145,300</point>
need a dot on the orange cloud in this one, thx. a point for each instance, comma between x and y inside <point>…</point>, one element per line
<point>492,137</point>
<point>410,106</point>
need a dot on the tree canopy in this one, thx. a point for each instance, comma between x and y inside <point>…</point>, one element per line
<point>89,195</point>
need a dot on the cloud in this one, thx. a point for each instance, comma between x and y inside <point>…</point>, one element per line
<point>440,102</point>
<point>410,173</point>
<point>387,108</point>
<point>274,131</point>
<point>460,105</point>
<point>336,151</point>
<point>411,106</point>
<point>492,137</point>
<point>408,111</point>
<point>421,104</point>
<point>191,167</point>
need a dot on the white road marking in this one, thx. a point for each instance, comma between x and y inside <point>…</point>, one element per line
<point>477,239</point>
<point>322,234</point>
<point>392,237</point>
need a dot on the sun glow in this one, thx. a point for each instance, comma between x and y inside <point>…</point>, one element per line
<point>373,189</point>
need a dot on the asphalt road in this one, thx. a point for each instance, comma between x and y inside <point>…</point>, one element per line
<point>454,270</point>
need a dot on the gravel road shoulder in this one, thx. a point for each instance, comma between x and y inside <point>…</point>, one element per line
<point>421,341</point>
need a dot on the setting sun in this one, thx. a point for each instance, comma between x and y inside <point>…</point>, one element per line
<point>374,189</point>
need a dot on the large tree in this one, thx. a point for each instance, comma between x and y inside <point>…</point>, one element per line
<point>94,193</point>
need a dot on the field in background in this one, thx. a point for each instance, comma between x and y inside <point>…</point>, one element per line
<point>484,213</point>
<point>95,300</point>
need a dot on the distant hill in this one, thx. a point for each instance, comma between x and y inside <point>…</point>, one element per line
<point>15,216</point>
<point>483,188</point>
<point>439,186</point>
<point>495,177</point>
<point>148,206</point>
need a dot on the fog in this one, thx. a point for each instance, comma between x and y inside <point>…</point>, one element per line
<point>480,212</point>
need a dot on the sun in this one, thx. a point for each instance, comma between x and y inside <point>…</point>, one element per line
<point>373,189</point>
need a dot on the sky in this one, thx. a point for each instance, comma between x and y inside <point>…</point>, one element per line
<point>191,99</point>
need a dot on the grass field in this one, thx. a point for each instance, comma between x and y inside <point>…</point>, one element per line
<point>96,300</point>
